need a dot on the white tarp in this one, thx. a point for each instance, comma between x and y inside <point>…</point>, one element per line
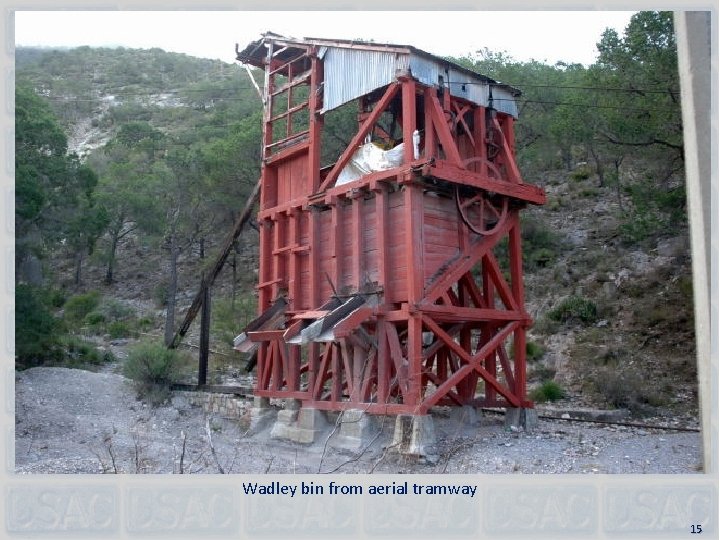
<point>370,158</point>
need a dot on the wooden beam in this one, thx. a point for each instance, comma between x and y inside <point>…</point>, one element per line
<point>523,192</point>
<point>204,352</point>
<point>462,264</point>
<point>471,363</point>
<point>468,314</point>
<point>443,131</point>
<point>360,135</point>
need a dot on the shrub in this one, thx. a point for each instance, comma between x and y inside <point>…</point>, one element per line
<point>143,324</point>
<point>56,298</point>
<point>547,391</point>
<point>119,329</point>
<point>80,353</point>
<point>228,319</point>
<point>540,258</point>
<point>154,368</point>
<point>94,318</point>
<point>79,306</point>
<point>574,309</point>
<point>160,292</point>
<point>115,311</point>
<point>627,390</point>
<point>533,351</point>
<point>581,173</point>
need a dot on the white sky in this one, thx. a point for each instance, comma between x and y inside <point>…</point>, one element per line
<point>547,36</point>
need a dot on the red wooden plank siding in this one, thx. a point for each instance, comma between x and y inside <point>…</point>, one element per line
<point>440,233</point>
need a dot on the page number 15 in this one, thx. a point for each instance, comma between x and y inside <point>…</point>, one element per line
<point>695,529</point>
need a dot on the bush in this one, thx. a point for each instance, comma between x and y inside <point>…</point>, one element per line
<point>540,258</point>
<point>583,172</point>
<point>37,336</point>
<point>56,298</point>
<point>143,324</point>
<point>574,309</point>
<point>228,319</point>
<point>547,391</point>
<point>627,390</point>
<point>94,318</point>
<point>115,311</point>
<point>154,368</point>
<point>80,353</point>
<point>109,316</point>
<point>78,307</point>
<point>119,329</point>
<point>533,351</point>
<point>160,292</point>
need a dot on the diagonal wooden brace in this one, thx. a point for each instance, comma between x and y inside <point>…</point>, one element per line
<point>360,136</point>
<point>463,264</point>
<point>471,363</point>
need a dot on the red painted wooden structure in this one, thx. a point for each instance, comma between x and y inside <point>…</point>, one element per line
<point>402,289</point>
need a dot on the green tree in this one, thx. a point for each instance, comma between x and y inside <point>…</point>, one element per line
<point>87,223</point>
<point>52,189</point>
<point>648,115</point>
<point>645,120</point>
<point>181,190</point>
<point>126,192</point>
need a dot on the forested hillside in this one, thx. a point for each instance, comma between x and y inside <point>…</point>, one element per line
<point>132,165</point>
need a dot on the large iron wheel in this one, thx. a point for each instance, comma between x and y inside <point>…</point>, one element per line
<point>483,212</point>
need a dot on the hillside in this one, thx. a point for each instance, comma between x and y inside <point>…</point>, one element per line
<point>95,90</point>
<point>608,280</point>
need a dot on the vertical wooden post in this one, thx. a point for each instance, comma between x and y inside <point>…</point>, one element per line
<point>383,361</point>
<point>480,139</point>
<point>336,241</point>
<point>268,88</point>
<point>415,361</point>
<point>413,217</point>
<point>316,123</point>
<point>486,331</point>
<point>293,266</point>
<point>204,335</point>
<point>409,120</point>
<point>518,291</point>
<point>356,235</point>
<point>382,221</point>
<point>429,128</point>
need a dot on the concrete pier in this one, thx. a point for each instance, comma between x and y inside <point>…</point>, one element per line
<point>520,418</point>
<point>415,435</point>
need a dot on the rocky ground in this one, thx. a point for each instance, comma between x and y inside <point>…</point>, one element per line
<point>75,421</point>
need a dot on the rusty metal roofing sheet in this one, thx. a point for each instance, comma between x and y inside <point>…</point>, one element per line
<point>355,68</point>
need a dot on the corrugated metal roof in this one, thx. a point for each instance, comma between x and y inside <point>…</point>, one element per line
<point>355,68</point>
<point>351,73</point>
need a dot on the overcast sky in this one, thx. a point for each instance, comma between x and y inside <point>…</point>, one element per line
<point>547,36</point>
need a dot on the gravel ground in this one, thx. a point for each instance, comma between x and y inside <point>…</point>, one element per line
<point>75,421</point>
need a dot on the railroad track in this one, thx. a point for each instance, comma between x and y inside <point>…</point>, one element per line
<point>606,422</point>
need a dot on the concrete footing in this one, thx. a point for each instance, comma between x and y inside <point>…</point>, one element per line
<point>356,430</point>
<point>299,425</point>
<point>415,435</point>
<point>519,418</point>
